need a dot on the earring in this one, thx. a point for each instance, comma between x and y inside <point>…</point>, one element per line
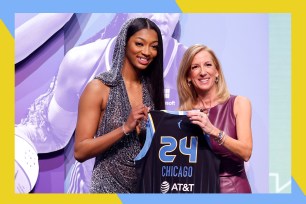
<point>217,80</point>
<point>189,83</point>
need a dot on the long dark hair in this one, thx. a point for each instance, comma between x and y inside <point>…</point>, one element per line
<point>154,72</point>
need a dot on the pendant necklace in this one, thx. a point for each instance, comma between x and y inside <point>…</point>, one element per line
<point>205,109</point>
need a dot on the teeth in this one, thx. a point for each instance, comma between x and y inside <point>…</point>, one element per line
<point>143,59</point>
<point>204,80</point>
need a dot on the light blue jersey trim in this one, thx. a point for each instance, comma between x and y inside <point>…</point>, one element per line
<point>175,112</point>
<point>150,130</point>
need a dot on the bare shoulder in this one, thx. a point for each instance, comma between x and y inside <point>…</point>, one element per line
<point>242,104</point>
<point>96,92</point>
<point>242,100</point>
<point>96,87</point>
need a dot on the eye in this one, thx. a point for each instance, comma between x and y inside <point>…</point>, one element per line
<point>138,44</point>
<point>208,64</point>
<point>155,47</point>
<point>194,67</point>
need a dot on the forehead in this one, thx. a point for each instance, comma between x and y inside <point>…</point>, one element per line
<point>202,56</point>
<point>146,34</point>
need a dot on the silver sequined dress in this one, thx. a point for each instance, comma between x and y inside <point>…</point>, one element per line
<point>114,170</point>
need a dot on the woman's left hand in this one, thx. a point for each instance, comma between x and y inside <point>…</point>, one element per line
<point>201,119</point>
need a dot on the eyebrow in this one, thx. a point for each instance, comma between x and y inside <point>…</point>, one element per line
<point>209,61</point>
<point>146,40</point>
<point>194,64</point>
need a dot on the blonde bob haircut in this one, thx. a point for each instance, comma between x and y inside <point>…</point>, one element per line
<point>187,93</point>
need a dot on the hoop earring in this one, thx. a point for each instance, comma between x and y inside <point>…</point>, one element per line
<point>217,80</point>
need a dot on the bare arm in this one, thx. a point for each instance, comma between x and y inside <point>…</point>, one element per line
<point>241,147</point>
<point>92,102</point>
<point>90,107</point>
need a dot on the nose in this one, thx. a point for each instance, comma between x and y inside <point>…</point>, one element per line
<point>146,50</point>
<point>202,71</point>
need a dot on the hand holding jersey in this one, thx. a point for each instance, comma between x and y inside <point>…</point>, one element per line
<point>137,115</point>
<point>201,119</point>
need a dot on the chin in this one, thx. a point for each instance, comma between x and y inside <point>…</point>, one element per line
<point>142,67</point>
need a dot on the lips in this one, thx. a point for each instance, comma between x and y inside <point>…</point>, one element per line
<point>143,60</point>
<point>204,81</point>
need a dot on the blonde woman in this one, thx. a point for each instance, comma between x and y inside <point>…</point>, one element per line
<point>225,118</point>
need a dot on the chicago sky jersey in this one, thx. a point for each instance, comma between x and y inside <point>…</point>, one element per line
<point>176,157</point>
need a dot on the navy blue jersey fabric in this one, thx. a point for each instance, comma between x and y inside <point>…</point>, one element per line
<point>176,157</point>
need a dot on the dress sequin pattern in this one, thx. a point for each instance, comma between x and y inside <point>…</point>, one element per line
<point>114,170</point>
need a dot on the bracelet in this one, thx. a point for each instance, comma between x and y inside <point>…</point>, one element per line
<point>220,136</point>
<point>222,142</point>
<point>124,130</point>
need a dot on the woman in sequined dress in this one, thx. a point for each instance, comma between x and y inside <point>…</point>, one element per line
<point>113,107</point>
<point>51,119</point>
<point>225,118</point>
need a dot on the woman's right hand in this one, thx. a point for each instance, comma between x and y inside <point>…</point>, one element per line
<point>137,114</point>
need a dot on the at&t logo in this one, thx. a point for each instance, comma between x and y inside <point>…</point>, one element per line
<point>164,187</point>
<point>176,187</point>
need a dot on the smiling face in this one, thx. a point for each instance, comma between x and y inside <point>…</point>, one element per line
<point>141,48</point>
<point>203,72</point>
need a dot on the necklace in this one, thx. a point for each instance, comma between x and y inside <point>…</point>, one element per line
<point>205,109</point>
